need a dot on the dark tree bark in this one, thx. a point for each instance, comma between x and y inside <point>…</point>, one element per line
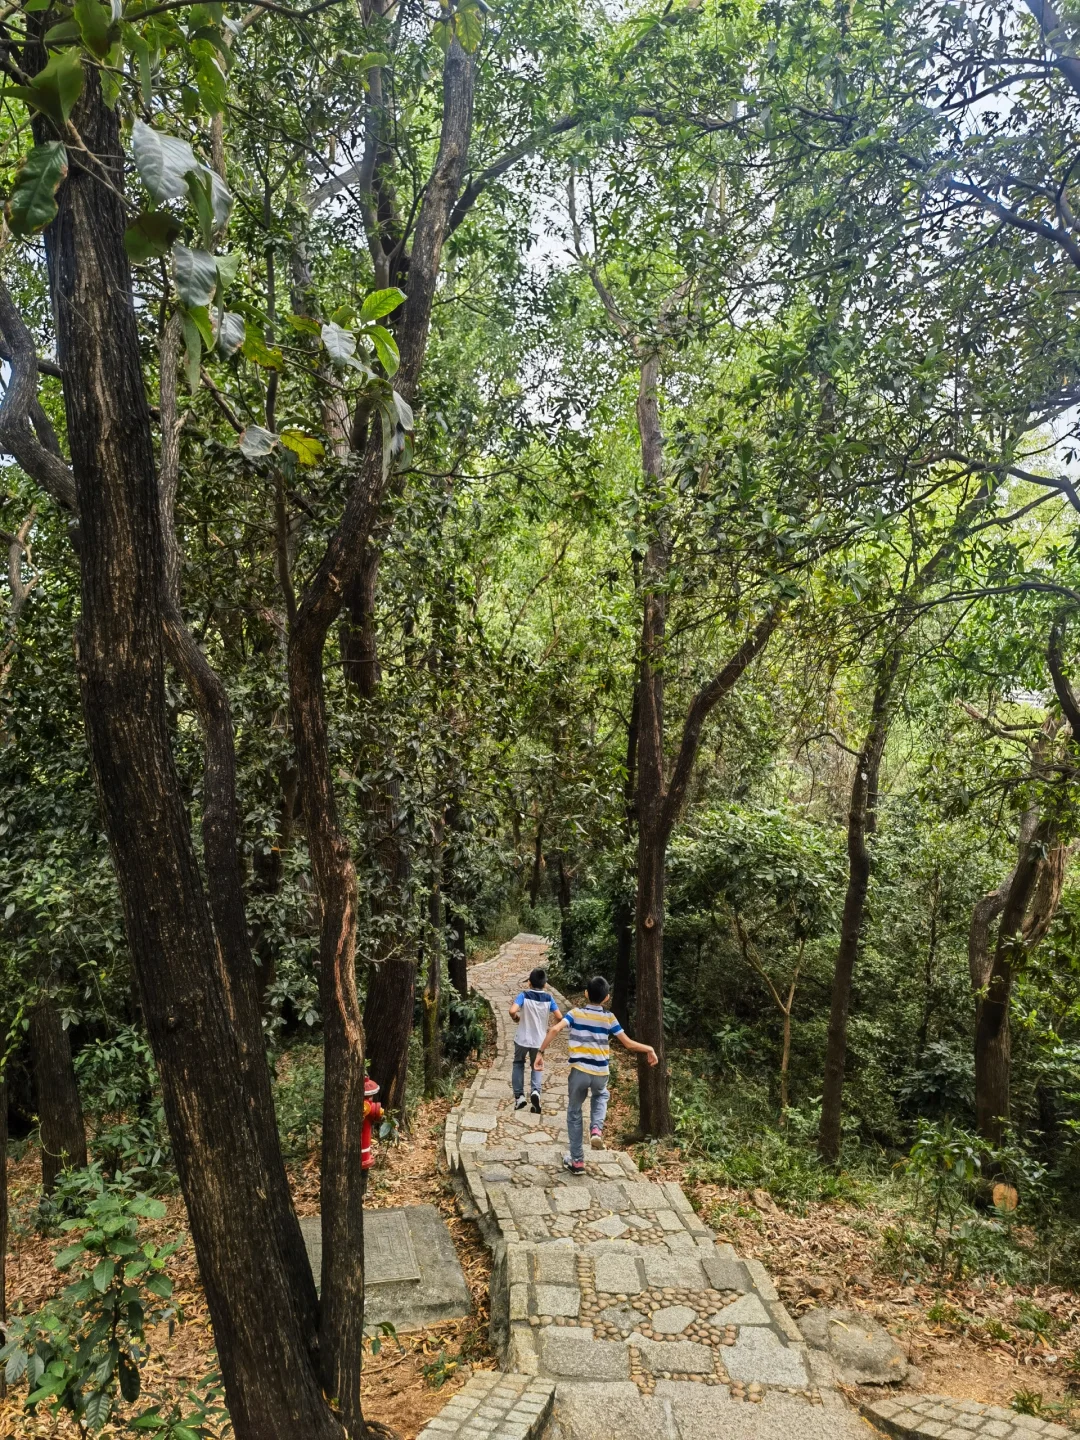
<point>537,866</point>
<point>658,803</point>
<point>862,818</point>
<point>3,1212</point>
<point>623,913</point>
<point>391,981</point>
<point>259,1326</point>
<point>433,1050</point>
<point>60,1113</point>
<point>993,1054</point>
<point>221,848</point>
<point>342,1299</point>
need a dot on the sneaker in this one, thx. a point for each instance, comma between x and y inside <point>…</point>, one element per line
<point>596,1140</point>
<point>534,1101</point>
<point>576,1167</point>
<point>520,1103</point>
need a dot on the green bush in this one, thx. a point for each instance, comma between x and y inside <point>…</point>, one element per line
<point>298,1098</point>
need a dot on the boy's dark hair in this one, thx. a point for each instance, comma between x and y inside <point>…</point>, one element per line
<point>538,978</point>
<point>597,990</point>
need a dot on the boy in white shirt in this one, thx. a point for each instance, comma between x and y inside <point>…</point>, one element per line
<point>532,1009</point>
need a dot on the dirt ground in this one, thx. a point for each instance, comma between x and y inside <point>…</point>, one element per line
<point>833,1254</point>
<point>396,1388</point>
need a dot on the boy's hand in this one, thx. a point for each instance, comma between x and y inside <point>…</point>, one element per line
<point>538,1063</point>
<point>651,1056</point>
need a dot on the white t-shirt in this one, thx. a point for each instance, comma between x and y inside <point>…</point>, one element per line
<point>536,1007</point>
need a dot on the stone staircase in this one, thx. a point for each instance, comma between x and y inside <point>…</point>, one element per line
<point>616,1313</point>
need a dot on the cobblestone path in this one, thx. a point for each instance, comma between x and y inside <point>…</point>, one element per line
<point>616,1312</point>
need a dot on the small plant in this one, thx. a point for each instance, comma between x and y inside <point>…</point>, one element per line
<point>207,1417</point>
<point>84,1351</point>
<point>384,1330</point>
<point>1027,1402</point>
<point>942,1312</point>
<point>1035,1319</point>
<point>438,1371</point>
<point>995,1330</point>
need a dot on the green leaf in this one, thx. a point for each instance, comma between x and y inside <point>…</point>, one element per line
<point>130,1380</point>
<point>150,235</point>
<point>403,411</point>
<point>340,344</point>
<point>386,349</point>
<point>199,192</point>
<point>256,442</point>
<point>16,1366</point>
<point>192,349</point>
<point>33,201</point>
<point>227,266</point>
<point>63,1258</point>
<point>149,1420</point>
<point>147,1208</point>
<point>303,323</point>
<point>54,90</point>
<point>468,27</point>
<point>160,1285</point>
<point>258,352</point>
<point>97,1409</point>
<point>382,302</point>
<point>62,34</point>
<point>306,448</point>
<point>104,1271</point>
<point>196,275</point>
<point>211,84</point>
<point>162,161</point>
<point>442,33</point>
<point>96,27</point>
<point>230,334</point>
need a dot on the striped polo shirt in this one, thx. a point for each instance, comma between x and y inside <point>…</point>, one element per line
<point>589,1038</point>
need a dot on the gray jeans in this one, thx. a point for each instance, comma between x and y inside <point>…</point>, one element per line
<point>517,1073</point>
<point>581,1084</point>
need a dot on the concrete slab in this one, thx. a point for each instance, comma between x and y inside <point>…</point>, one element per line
<point>706,1412</point>
<point>568,1354</point>
<point>413,1277</point>
<point>747,1310</point>
<point>598,1411</point>
<point>759,1354</point>
<point>672,1320</point>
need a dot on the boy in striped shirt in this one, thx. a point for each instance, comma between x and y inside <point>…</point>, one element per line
<point>591,1029</point>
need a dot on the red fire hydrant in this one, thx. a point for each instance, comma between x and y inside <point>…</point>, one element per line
<point>373,1111</point>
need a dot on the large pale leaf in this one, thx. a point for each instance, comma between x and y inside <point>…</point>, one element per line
<point>196,276</point>
<point>162,161</point>
<point>33,201</point>
<point>340,344</point>
<point>54,90</point>
<point>385,348</point>
<point>230,334</point>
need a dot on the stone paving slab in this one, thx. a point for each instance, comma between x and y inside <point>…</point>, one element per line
<point>939,1417</point>
<point>609,1293</point>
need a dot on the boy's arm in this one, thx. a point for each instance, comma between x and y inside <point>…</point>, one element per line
<point>629,1044</point>
<point>554,1030</point>
<point>515,1010</point>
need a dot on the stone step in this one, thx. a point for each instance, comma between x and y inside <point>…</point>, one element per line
<point>494,1406</point>
<point>939,1417</point>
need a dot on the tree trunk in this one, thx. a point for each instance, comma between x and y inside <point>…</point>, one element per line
<point>785,1063</point>
<point>63,1131</point>
<point>993,1050</point>
<point>862,816</point>
<point>457,958</point>
<point>271,1388</point>
<point>433,1058</point>
<point>565,930</point>
<point>391,980</point>
<point>537,866</point>
<point>3,1213</point>
<point>623,915</point>
<point>655,1106</point>
<point>221,847</point>
<point>623,921</point>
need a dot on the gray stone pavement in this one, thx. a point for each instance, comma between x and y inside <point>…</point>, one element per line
<point>939,1417</point>
<point>609,1295</point>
